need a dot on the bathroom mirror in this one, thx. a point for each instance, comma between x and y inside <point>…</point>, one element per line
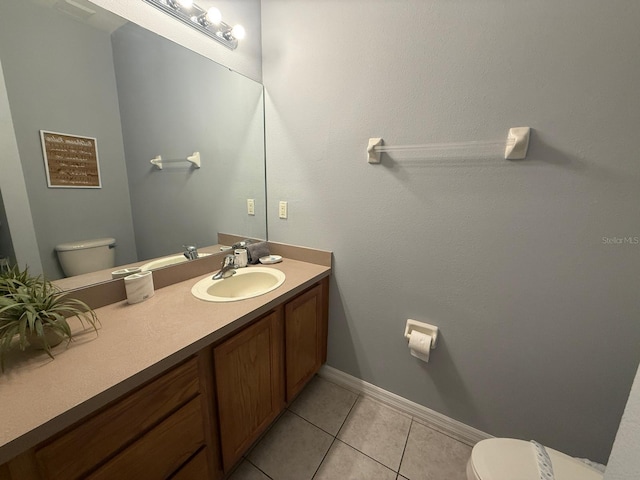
<point>68,70</point>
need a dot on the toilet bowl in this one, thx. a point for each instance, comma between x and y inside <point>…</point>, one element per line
<point>86,256</point>
<point>510,459</point>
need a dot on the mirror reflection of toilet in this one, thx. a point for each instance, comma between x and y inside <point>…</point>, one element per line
<point>510,459</point>
<point>86,256</point>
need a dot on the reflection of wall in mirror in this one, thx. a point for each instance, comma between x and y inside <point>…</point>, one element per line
<point>6,247</point>
<point>174,102</point>
<point>53,93</point>
<point>70,88</point>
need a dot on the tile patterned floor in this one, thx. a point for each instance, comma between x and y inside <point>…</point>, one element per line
<point>330,433</point>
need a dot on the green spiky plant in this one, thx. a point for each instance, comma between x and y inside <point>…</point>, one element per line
<point>30,306</point>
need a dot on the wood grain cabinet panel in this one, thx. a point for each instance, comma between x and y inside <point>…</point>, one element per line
<point>248,370</point>
<point>99,437</point>
<point>161,451</point>
<point>5,474</point>
<point>305,339</point>
<point>196,469</point>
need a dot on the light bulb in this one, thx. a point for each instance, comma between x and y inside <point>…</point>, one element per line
<point>214,16</point>
<point>186,3</point>
<point>238,32</point>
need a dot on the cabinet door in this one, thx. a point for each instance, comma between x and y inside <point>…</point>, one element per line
<point>305,338</point>
<point>249,384</point>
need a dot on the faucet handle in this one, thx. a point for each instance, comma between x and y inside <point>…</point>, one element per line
<point>242,244</point>
<point>191,252</point>
<point>226,269</point>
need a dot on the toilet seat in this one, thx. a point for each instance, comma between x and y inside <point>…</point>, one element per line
<point>510,459</point>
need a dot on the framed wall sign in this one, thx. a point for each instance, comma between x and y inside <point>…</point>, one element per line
<point>70,161</point>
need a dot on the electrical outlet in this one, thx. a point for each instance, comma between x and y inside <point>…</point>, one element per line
<point>251,206</point>
<point>282,212</point>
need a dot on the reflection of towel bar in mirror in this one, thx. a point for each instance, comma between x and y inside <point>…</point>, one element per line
<point>516,146</point>
<point>193,159</point>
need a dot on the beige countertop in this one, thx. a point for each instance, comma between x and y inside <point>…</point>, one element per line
<point>40,396</point>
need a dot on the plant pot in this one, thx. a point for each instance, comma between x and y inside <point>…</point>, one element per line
<point>52,336</point>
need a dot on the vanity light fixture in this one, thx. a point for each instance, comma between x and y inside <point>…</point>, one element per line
<point>208,21</point>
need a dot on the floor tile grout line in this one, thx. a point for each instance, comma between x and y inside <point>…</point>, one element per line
<point>406,442</point>
<point>259,469</point>
<point>420,421</point>
<point>409,417</point>
<point>323,459</point>
<point>335,438</point>
<point>312,424</point>
<point>366,455</point>
<point>262,435</point>
<point>317,426</point>
<point>347,416</point>
<point>359,397</point>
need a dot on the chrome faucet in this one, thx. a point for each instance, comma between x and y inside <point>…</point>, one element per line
<point>191,252</point>
<point>227,269</point>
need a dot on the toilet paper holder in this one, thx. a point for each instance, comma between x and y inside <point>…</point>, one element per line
<point>422,327</point>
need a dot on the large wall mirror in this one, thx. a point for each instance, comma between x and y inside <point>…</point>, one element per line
<point>139,95</point>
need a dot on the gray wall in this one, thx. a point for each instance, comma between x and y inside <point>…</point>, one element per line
<point>214,111</point>
<point>538,313</point>
<point>43,98</point>
<point>6,246</point>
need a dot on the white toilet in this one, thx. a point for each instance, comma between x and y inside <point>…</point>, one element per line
<point>86,256</point>
<point>510,459</point>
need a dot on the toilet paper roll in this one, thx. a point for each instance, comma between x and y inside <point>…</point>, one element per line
<point>420,345</point>
<point>139,287</point>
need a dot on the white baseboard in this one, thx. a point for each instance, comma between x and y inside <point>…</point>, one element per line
<point>437,421</point>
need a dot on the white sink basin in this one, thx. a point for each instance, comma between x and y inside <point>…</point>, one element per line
<point>166,261</point>
<point>246,283</point>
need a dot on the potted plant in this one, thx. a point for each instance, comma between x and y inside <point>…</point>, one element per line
<point>36,311</point>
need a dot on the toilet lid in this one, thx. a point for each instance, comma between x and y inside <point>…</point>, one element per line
<point>82,244</point>
<point>510,459</point>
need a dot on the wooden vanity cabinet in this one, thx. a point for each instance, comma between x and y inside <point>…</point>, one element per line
<point>154,432</point>
<point>197,419</point>
<point>264,366</point>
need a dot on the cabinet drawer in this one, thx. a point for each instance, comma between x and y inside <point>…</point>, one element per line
<point>161,451</point>
<point>196,468</point>
<point>85,446</point>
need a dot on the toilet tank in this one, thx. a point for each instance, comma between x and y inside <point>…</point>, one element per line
<point>86,256</point>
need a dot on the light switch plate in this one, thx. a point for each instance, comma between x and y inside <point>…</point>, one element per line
<point>282,211</point>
